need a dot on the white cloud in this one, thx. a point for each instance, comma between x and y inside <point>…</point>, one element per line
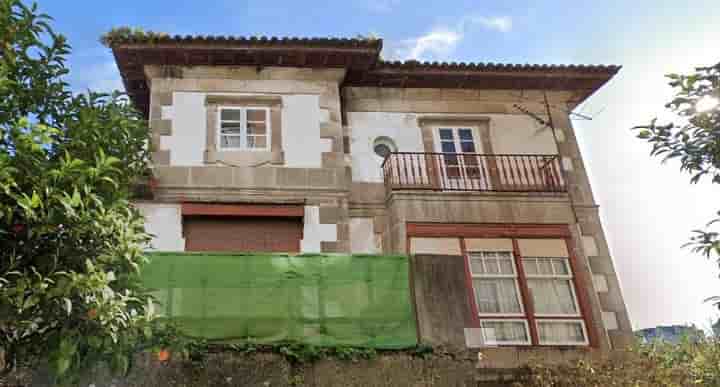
<point>498,23</point>
<point>441,42</point>
<point>437,43</point>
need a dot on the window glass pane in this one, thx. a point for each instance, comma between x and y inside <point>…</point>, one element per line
<point>492,266</point>
<point>447,147</point>
<point>560,265</point>
<point>552,296</point>
<point>506,266</point>
<point>230,128</point>
<point>561,332</point>
<point>496,295</point>
<point>257,141</point>
<point>255,115</point>
<point>256,128</point>
<point>498,332</point>
<point>530,266</point>
<point>465,134</point>
<point>467,147</point>
<point>496,262</point>
<point>544,267</point>
<point>476,265</point>
<point>230,141</point>
<point>446,134</point>
<point>230,114</point>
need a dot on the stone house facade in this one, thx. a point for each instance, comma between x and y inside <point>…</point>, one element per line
<point>318,145</point>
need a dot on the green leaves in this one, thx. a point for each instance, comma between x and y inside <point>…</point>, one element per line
<point>70,245</point>
<point>127,34</point>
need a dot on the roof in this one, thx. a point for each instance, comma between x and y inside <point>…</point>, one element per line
<point>133,49</point>
<point>579,78</point>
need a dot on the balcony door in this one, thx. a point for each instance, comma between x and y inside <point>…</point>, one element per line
<point>459,165</point>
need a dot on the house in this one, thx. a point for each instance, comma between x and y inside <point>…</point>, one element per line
<point>318,145</point>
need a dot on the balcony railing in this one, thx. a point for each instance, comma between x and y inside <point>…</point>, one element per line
<point>473,172</point>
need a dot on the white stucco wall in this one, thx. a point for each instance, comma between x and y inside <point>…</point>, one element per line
<point>520,134</point>
<point>362,236</point>
<point>301,119</point>
<point>187,142</point>
<point>164,222</point>
<point>314,232</point>
<point>301,131</point>
<point>509,134</point>
<point>366,127</point>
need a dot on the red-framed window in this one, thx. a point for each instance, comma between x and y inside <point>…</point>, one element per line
<point>523,283</point>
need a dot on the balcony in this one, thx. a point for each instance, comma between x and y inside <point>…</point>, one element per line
<point>473,172</point>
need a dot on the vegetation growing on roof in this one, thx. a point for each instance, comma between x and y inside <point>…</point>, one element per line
<point>124,34</point>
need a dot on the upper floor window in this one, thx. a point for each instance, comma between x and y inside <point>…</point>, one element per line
<point>244,128</point>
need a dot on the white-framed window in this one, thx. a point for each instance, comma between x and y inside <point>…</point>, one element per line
<point>561,332</point>
<point>456,140</point>
<point>549,280</point>
<point>505,332</point>
<point>453,141</point>
<point>243,128</point>
<point>499,290</point>
<point>495,283</point>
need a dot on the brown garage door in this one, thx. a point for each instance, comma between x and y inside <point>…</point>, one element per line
<point>227,233</point>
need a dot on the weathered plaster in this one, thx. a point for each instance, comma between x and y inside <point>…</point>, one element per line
<point>362,236</point>
<point>164,222</point>
<point>314,232</point>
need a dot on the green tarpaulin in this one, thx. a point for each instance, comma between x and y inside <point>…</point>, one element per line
<point>325,300</point>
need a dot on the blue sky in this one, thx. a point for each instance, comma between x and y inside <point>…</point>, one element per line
<point>648,209</point>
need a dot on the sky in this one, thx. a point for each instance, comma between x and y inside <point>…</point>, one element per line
<point>648,209</point>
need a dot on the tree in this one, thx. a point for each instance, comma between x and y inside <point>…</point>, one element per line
<point>71,245</point>
<point>695,142</point>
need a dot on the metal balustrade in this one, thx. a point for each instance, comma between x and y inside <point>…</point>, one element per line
<point>473,172</point>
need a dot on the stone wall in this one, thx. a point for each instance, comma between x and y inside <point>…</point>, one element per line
<point>272,370</point>
<point>306,163</point>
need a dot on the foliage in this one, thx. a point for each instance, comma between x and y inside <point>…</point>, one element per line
<point>120,35</point>
<point>70,243</point>
<point>297,353</point>
<point>695,143</point>
<point>303,353</point>
<point>423,351</point>
<point>657,364</point>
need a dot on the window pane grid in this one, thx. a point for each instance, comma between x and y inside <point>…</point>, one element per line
<point>561,332</point>
<point>492,264</point>
<point>549,280</point>
<point>495,284</point>
<point>556,319</point>
<point>546,267</point>
<point>243,128</point>
<point>505,332</point>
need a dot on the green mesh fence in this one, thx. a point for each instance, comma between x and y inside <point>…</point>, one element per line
<point>325,300</point>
